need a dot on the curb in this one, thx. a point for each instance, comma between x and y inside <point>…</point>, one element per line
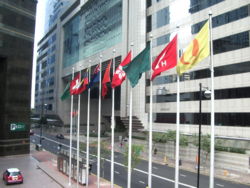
<point>50,176</point>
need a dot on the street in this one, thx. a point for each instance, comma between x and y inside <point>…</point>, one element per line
<point>163,176</point>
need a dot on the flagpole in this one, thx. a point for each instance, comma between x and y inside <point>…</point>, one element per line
<point>130,131</point>
<point>99,125</point>
<point>211,184</point>
<point>177,125</point>
<point>70,136</point>
<point>78,135</point>
<point>177,134</point>
<point>150,122</point>
<point>88,124</point>
<point>113,127</point>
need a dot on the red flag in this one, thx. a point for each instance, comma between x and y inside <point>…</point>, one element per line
<point>166,60</point>
<point>106,79</point>
<point>74,85</point>
<point>84,83</point>
<point>119,75</point>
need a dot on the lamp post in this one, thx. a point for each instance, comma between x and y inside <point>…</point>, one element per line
<point>207,94</point>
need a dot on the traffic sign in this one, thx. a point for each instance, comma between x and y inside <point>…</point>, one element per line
<point>17,126</point>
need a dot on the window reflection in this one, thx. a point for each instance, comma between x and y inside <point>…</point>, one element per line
<point>221,119</point>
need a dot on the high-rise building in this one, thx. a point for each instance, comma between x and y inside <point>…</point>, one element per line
<point>17,25</point>
<point>88,29</point>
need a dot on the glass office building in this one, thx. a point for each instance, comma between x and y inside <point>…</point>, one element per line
<point>88,29</point>
<point>17,26</point>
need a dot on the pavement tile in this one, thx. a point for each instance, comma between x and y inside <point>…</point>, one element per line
<point>47,163</point>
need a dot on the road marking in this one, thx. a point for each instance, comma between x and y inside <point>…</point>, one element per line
<point>142,182</point>
<point>138,170</point>
<point>220,185</point>
<point>183,175</point>
<point>155,167</point>
<point>117,172</point>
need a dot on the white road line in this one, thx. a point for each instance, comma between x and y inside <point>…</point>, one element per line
<point>183,175</point>
<point>142,182</point>
<point>138,170</point>
<point>155,167</point>
<point>117,172</point>
<point>220,185</point>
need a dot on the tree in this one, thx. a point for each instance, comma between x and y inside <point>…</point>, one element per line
<point>135,158</point>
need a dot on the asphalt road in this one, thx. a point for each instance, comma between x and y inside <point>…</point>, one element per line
<point>163,176</point>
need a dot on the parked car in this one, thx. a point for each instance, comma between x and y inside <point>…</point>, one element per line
<point>60,136</point>
<point>31,132</point>
<point>12,175</point>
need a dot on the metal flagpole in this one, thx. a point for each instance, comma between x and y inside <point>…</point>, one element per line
<point>211,184</point>
<point>150,122</point>
<point>99,125</point>
<point>177,160</point>
<point>177,134</point>
<point>88,124</point>
<point>130,133</point>
<point>113,127</point>
<point>78,135</point>
<point>70,138</point>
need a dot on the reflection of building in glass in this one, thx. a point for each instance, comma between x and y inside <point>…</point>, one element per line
<point>89,29</point>
<point>17,26</point>
<point>46,67</point>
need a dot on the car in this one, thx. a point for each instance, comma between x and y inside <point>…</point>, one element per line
<point>12,175</point>
<point>60,136</point>
<point>31,132</point>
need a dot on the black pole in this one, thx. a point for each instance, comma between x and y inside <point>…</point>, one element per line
<point>199,146</point>
<point>41,124</point>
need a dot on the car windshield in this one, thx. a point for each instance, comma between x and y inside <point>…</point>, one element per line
<point>15,173</point>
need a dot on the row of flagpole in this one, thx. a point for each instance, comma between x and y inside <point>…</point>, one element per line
<point>155,66</point>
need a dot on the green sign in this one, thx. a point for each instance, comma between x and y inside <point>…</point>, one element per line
<point>17,127</point>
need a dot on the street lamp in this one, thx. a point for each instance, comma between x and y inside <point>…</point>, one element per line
<point>207,94</point>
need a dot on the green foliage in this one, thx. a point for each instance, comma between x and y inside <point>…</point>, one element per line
<point>230,149</point>
<point>139,137</point>
<point>164,137</point>
<point>135,157</point>
<point>183,141</point>
<point>43,120</point>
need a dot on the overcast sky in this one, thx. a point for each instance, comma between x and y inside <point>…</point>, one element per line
<point>39,32</point>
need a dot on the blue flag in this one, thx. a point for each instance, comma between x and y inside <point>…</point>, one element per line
<point>96,76</point>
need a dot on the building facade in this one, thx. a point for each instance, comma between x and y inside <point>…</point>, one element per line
<point>17,24</point>
<point>92,28</point>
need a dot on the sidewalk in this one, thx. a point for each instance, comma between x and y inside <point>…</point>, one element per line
<point>48,164</point>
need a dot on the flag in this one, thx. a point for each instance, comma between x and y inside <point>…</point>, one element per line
<point>95,77</point>
<point>66,92</point>
<point>105,80</point>
<point>166,60</point>
<point>84,83</point>
<point>119,75</point>
<point>139,65</point>
<point>75,85</point>
<point>196,51</point>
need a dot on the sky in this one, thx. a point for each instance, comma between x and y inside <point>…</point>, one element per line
<point>39,32</point>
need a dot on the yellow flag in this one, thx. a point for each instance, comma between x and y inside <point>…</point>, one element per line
<point>196,51</point>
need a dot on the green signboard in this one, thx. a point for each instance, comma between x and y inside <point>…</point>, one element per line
<point>17,127</point>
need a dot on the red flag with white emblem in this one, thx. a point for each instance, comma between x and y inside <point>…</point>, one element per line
<point>75,85</point>
<point>120,75</point>
<point>166,60</point>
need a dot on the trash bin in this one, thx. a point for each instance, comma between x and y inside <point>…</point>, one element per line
<point>38,147</point>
